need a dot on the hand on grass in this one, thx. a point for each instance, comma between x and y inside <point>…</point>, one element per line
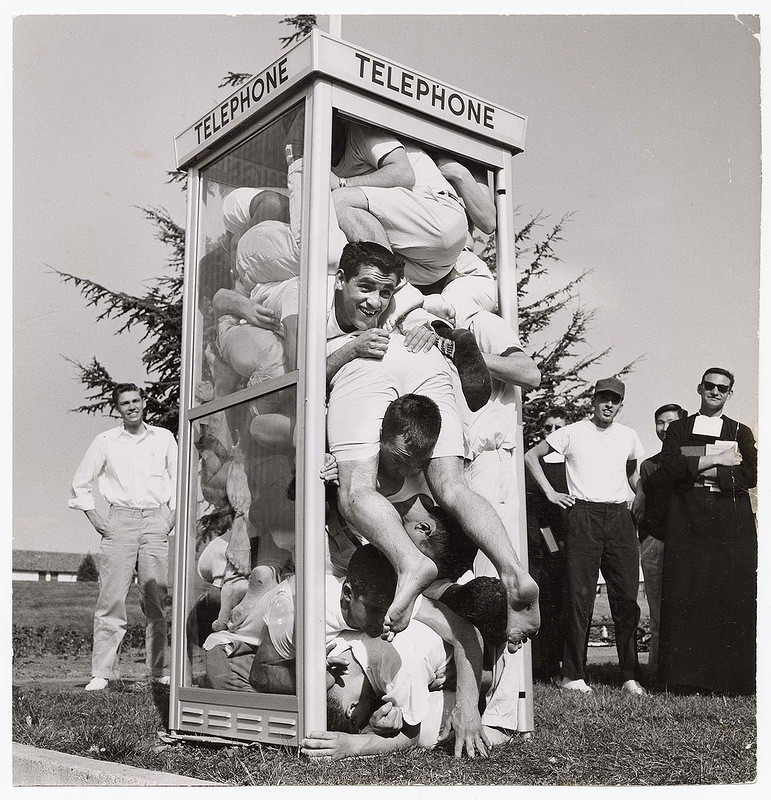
<point>466,723</point>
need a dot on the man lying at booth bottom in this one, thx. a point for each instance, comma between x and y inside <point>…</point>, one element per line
<point>390,696</point>
<point>264,623</point>
<point>367,371</point>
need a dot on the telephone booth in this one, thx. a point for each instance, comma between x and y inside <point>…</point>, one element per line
<point>252,415</point>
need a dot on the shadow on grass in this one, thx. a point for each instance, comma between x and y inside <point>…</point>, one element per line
<point>161,701</point>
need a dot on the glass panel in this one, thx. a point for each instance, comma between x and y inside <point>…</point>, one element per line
<point>248,277</point>
<point>244,539</point>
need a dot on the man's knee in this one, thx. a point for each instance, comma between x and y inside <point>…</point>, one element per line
<point>445,476</point>
<point>347,501</point>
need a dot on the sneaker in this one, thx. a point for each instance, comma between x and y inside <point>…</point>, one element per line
<point>633,687</point>
<point>165,680</point>
<point>460,346</point>
<point>577,685</point>
<point>96,685</point>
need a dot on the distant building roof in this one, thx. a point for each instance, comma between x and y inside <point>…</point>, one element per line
<point>46,561</point>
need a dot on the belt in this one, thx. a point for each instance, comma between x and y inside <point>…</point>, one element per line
<point>137,510</point>
<point>437,286</point>
<point>595,504</point>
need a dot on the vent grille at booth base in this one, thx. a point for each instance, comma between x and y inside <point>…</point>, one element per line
<point>268,726</point>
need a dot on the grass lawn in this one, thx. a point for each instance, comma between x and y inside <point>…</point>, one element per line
<point>606,739</point>
<point>71,605</point>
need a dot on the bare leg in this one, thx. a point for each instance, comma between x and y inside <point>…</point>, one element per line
<point>355,219</point>
<point>484,527</point>
<point>238,552</point>
<point>377,520</point>
<point>233,590</point>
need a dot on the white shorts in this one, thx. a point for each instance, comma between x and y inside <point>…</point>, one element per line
<point>475,289</point>
<point>425,226</point>
<point>249,349</point>
<point>363,388</point>
<point>268,252</point>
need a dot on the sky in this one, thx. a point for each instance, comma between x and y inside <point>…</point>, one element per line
<point>645,128</point>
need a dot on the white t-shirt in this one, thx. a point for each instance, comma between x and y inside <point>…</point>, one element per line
<point>401,671</point>
<point>365,146</point>
<point>595,459</point>
<point>494,426</point>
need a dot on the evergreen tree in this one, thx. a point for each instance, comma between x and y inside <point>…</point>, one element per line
<point>562,365</point>
<point>87,571</point>
<point>159,313</point>
<point>563,368</point>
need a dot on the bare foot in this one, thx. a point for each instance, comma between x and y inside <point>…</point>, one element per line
<point>523,617</point>
<point>232,593</point>
<point>409,584</point>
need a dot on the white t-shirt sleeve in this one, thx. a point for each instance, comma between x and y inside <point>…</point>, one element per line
<point>638,451</point>
<point>560,440</point>
<point>493,334</point>
<point>372,144</point>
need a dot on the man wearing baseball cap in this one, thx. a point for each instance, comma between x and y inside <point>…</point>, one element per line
<point>601,458</point>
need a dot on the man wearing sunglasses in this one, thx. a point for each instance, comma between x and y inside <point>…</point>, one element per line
<point>708,604</point>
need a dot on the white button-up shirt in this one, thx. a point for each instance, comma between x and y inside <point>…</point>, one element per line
<point>131,471</point>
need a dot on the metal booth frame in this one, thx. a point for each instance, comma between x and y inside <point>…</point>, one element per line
<point>321,73</point>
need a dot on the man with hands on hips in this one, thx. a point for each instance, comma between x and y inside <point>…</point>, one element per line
<point>601,458</point>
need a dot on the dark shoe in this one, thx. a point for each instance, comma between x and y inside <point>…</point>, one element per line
<point>460,346</point>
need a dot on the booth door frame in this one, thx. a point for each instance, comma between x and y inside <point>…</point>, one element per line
<point>498,160</point>
<point>213,711</point>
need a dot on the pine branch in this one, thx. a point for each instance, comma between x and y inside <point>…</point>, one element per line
<point>235,79</point>
<point>304,24</point>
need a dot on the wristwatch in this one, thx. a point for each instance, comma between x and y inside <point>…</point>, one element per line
<point>342,183</point>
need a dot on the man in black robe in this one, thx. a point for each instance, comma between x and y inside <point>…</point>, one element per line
<point>708,606</point>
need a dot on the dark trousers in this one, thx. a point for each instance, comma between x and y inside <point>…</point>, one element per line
<point>601,536</point>
<point>548,571</point>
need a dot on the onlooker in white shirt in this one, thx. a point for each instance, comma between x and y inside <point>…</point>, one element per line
<point>135,466</point>
<point>601,458</point>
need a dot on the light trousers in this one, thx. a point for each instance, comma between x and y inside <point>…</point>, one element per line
<point>135,539</point>
<point>652,562</point>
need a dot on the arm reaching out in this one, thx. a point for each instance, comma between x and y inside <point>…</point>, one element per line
<point>467,648</point>
<point>479,203</point>
<point>333,745</point>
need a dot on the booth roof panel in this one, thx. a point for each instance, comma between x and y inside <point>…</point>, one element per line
<point>342,62</point>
